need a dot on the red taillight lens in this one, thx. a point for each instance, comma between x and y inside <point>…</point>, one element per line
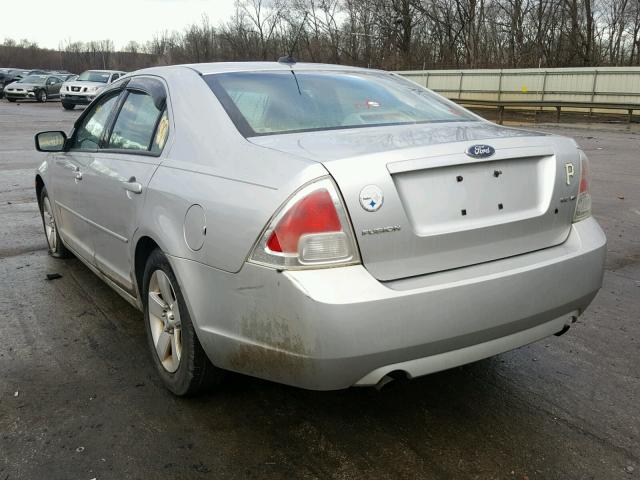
<point>315,213</point>
<point>584,177</point>
<point>310,230</point>
<point>583,201</point>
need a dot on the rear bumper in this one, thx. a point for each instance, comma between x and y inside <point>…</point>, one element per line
<point>332,328</point>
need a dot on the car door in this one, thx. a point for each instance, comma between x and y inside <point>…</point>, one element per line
<point>70,190</point>
<point>53,87</point>
<point>120,172</point>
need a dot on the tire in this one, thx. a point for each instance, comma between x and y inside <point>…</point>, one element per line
<point>184,368</point>
<point>12,100</point>
<point>68,106</point>
<point>54,242</point>
<point>41,96</point>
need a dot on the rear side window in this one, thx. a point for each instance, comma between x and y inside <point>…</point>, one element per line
<point>92,127</point>
<point>162,132</point>
<point>135,127</point>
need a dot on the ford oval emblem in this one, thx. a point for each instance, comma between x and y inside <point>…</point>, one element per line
<point>481,151</point>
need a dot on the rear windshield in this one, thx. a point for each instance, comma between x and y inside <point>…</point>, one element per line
<point>267,103</point>
<point>101,77</point>
<point>34,79</point>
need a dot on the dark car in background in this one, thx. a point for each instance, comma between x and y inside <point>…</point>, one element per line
<point>40,87</point>
<point>10,75</point>
<point>4,79</point>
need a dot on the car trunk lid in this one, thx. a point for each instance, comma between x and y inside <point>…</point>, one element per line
<point>441,208</point>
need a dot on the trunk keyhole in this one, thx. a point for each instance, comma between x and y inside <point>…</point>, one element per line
<point>463,211</point>
<point>497,173</point>
<point>500,206</point>
<point>459,178</point>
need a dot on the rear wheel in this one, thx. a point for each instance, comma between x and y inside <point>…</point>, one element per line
<point>41,96</point>
<point>176,352</point>
<point>54,242</point>
<point>68,106</point>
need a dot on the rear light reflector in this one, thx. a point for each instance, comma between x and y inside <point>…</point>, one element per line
<point>311,229</point>
<point>323,247</point>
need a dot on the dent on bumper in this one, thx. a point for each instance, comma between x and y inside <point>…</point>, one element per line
<point>332,328</point>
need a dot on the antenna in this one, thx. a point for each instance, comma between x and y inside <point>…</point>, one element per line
<point>289,57</point>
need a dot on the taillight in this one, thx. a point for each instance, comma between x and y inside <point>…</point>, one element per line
<point>310,230</point>
<point>583,202</point>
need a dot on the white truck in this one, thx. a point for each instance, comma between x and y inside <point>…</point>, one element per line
<point>86,87</point>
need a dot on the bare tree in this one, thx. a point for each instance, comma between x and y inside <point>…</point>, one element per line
<point>391,34</point>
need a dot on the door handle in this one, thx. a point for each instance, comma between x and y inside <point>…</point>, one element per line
<point>132,186</point>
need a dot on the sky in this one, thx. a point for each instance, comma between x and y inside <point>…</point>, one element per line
<point>118,20</point>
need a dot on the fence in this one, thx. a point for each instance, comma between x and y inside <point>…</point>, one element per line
<point>554,86</point>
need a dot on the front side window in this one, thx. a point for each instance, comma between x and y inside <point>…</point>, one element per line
<point>266,103</point>
<point>136,123</point>
<point>92,127</point>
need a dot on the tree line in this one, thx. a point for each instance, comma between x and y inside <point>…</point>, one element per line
<point>388,34</point>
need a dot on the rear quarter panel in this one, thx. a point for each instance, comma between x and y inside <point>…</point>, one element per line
<point>239,185</point>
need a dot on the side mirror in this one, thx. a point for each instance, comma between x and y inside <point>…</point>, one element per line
<point>50,141</point>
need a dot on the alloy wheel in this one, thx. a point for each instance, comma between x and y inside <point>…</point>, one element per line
<point>49,225</point>
<point>164,320</point>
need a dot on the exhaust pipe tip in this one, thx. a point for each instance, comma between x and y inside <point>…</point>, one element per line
<point>564,330</point>
<point>399,375</point>
<point>383,381</point>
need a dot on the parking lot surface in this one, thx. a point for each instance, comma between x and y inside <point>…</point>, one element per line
<point>79,398</point>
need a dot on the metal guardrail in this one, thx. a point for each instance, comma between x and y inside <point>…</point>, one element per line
<point>592,88</point>
<point>558,105</point>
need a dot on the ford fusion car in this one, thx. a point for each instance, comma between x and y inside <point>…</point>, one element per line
<point>82,89</point>
<point>320,226</point>
<point>40,87</point>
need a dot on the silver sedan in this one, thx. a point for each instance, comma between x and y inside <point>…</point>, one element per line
<point>320,226</point>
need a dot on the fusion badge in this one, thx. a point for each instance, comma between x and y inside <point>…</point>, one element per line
<point>371,198</point>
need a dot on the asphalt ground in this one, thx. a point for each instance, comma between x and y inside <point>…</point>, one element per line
<point>79,398</point>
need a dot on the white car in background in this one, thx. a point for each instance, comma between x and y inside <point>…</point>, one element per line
<point>86,87</point>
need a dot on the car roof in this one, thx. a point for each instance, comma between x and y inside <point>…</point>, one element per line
<point>224,67</point>
<point>105,71</point>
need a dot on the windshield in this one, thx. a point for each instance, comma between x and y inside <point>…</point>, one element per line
<point>89,76</point>
<point>35,79</point>
<point>266,103</point>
